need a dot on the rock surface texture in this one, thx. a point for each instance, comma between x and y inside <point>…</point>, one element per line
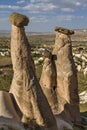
<point>25,87</point>
<point>25,106</point>
<point>19,20</point>
<point>48,80</point>
<point>67,83</point>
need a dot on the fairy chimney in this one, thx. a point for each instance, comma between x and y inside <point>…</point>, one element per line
<point>25,86</point>
<point>67,83</point>
<point>48,80</point>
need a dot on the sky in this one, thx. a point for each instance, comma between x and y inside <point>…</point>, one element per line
<point>44,15</point>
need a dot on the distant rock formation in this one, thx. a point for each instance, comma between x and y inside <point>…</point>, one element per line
<point>67,83</point>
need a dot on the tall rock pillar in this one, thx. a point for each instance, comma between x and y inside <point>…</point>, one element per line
<point>25,87</point>
<point>48,80</point>
<point>67,83</point>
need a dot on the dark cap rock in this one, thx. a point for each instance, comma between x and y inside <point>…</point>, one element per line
<point>64,30</point>
<point>19,20</point>
<point>47,54</point>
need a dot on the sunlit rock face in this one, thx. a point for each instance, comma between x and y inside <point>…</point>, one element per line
<point>27,102</point>
<point>25,86</point>
<point>67,83</point>
<point>48,80</point>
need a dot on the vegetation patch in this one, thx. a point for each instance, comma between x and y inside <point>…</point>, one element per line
<point>82,82</point>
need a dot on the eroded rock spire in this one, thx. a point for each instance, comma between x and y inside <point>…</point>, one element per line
<point>48,80</point>
<point>25,87</point>
<point>67,83</point>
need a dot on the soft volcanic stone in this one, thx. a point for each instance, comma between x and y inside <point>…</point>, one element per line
<point>67,83</point>
<point>48,80</point>
<point>25,87</point>
<point>19,20</point>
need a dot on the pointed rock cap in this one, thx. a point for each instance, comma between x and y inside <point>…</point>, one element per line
<point>19,20</point>
<point>64,30</point>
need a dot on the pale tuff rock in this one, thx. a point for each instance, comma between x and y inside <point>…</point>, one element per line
<point>25,87</point>
<point>48,80</point>
<point>9,116</point>
<point>26,103</point>
<point>7,110</point>
<point>67,84</point>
